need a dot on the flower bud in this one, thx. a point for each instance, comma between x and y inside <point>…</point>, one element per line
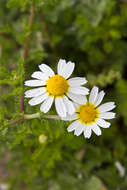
<point>42,138</point>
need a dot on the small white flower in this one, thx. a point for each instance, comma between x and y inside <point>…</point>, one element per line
<point>56,86</point>
<point>89,117</point>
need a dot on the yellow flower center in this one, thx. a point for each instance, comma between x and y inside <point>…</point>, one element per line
<point>87,113</point>
<point>57,86</point>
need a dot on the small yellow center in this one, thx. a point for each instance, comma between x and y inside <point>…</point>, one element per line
<point>57,86</point>
<point>87,113</point>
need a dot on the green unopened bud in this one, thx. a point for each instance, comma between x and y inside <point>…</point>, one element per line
<point>42,138</point>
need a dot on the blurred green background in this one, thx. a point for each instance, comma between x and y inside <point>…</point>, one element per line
<point>40,154</point>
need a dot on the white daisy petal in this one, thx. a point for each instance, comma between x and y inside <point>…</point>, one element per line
<point>73,126</point>
<point>39,75</point>
<point>87,132</point>
<point>47,70</point>
<point>46,105</point>
<point>69,69</point>
<point>106,107</point>
<point>96,129</point>
<point>69,117</point>
<point>37,100</point>
<point>77,81</point>
<point>34,83</point>
<point>79,129</point>
<point>61,67</point>
<point>93,95</point>
<point>35,92</point>
<point>99,98</point>
<point>76,105</point>
<point>65,69</point>
<point>107,115</point>
<point>102,123</point>
<point>69,105</point>
<point>80,99</point>
<point>60,107</point>
<point>79,90</point>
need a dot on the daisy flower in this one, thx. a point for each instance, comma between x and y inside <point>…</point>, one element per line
<point>56,87</point>
<point>89,117</point>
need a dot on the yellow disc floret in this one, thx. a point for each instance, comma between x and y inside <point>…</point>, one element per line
<point>87,113</point>
<point>57,86</point>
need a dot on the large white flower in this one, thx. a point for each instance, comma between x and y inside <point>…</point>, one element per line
<point>89,117</point>
<point>56,86</point>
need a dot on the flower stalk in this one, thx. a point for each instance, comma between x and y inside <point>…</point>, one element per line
<point>26,51</point>
<point>39,115</point>
<point>33,116</point>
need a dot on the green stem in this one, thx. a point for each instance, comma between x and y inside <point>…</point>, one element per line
<point>33,116</point>
<point>38,115</point>
<point>26,51</point>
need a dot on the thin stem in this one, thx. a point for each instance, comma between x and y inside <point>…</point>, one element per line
<point>16,121</point>
<point>38,115</point>
<point>33,116</point>
<point>26,51</point>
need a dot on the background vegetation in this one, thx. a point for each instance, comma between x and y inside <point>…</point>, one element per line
<point>39,154</point>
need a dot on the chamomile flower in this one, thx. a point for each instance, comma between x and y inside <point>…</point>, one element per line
<point>90,116</point>
<point>56,87</point>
